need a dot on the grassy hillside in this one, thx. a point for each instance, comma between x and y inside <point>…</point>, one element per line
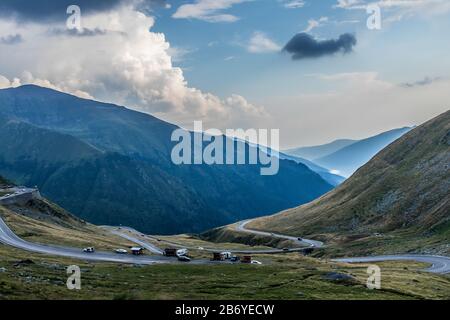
<point>397,202</point>
<point>44,222</point>
<point>25,275</point>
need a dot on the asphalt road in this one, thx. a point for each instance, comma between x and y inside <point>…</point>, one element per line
<point>439,264</point>
<point>9,238</point>
<point>156,250</point>
<point>143,244</point>
<point>15,191</point>
<point>304,242</point>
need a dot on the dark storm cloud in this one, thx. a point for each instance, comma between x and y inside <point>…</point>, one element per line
<point>11,39</point>
<point>44,10</point>
<point>303,46</point>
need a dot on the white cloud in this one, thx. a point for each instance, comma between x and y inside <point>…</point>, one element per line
<point>6,83</point>
<point>348,4</point>
<point>411,7</point>
<point>293,4</point>
<point>260,43</point>
<point>127,65</point>
<point>312,24</point>
<point>207,10</point>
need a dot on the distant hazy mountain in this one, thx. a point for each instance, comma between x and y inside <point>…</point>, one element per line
<point>329,177</point>
<point>343,157</point>
<point>347,160</point>
<point>398,201</point>
<point>315,152</point>
<point>111,165</point>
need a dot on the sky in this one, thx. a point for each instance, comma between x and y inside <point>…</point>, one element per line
<point>317,70</point>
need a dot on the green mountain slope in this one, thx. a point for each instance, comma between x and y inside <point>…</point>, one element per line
<point>111,165</point>
<point>403,191</point>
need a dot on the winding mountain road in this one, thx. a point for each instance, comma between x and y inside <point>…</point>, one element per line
<point>156,250</point>
<point>311,243</point>
<point>439,264</point>
<point>8,237</point>
<point>143,244</point>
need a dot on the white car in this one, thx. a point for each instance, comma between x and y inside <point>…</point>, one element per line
<point>182,252</point>
<point>121,251</point>
<point>89,250</point>
<point>256,262</point>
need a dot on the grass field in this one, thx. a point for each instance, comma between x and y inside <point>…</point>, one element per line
<point>25,275</point>
<point>288,277</point>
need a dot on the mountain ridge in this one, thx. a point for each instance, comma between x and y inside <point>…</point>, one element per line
<point>314,152</point>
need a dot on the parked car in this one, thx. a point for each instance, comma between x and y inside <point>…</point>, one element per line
<point>235,259</point>
<point>182,252</point>
<point>121,251</point>
<point>89,250</point>
<point>184,259</point>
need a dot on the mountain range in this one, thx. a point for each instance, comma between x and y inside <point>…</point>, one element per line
<point>110,165</point>
<point>329,177</point>
<point>345,156</point>
<point>316,152</point>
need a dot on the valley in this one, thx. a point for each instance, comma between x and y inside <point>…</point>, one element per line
<point>127,206</point>
<point>283,274</point>
<point>396,203</point>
